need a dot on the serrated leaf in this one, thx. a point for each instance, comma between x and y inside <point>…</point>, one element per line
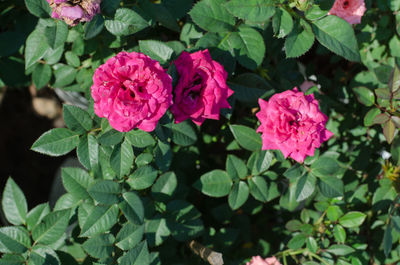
<point>121,158</point>
<point>35,48</point>
<point>330,187</point>
<point>14,239</point>
<point>39,8</point>
<point>139,138</point>
<point>352,219</point>
<point>43,255</point>
<point>183,134</point>
<point>212,16</point>
<point>258,188</point>
<point>235,167</point>
<point>305,187</point>
<point>129,236</point>
<point>282,23</point>
<point>105,191</point>
<point>338,36</point>
<point>41,75</point>
<point>36,215</point>
<point>100,246</point>
<point>56,142</point>
<point>142,178</point>
<point>165,186</point>
<point>251,10</point>
<point>136,256</point>
<point>370,116</point>
<point>215,183</point>
<point>339,233</point>
<point>14,203</point>
<point>300,40</point>
<point>99,220</point>
<point>52,227</point>
<point>111,137</point>
<point>389,130</point>
<point>157,231</point>
<point>126,22</point>
<point>76,181</point>
<point>157,50</point>
<point>340,250</point>
<point>56,35</point>
<point>94,26</point>
<point>238,195</point>
<point>132,207</point>
<point>364,96</point>
<point>246,137</point>
<point>88,151</point>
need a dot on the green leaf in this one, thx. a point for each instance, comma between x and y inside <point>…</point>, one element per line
<point>259,162</point>
<point>165,186</point>
<point>330,187</point>
<point>248,46</point>
<point>77,119</point>
<point>352,219</point>
<point>14,203</point>
<point>39,8</point>
<point>157,50</point>
<point>56,35</point>
<point>105,191</point>
<point>142,178</point>
<point>64,75</point>
<point>94,26</point>
<point>76,181</point>
<point>72,59</point>
<point>100,246</point>
<point>370,116</point>
<point>121,158</point>
<point>36,215</point>
<point>238,195</point>
<point>297,241</point>
<point>312,244</point>
<point>333,213</point>
<point>136,256</point>
<point>52,227</point>
<point>163,155</point>
<point>35,48</point>
<point>132,207</point>
<point>305,187</point>
<point>364,95</point>
<point>212,16</point>
<point>258,188</point>
<point>43,255</point>
<point>183,134</point>
<point>338,36</point>
<point>14,239</point>
<point>41,75</point>
<point>340,250</point>
<point>100,219</point>
<point>325,166</point>
<point>215,183</point>
<point>129,236</point>
<point>88,151</point>
<point>296,171</point>
<point>389,130</point>
<point>139,138</point>
<point>339,233</point>
<point>111,137</point>
<point>387,241</point>
<point>126,22</point>
<point>251,10</point>
<point>300,40</point>
<point>235,167</point>
<point>319,9</point>
<point>157,231</point>
<point>282,23</point>
<point>246,137</point>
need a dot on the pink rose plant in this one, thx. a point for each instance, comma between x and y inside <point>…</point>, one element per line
<point>74,11</point>
<point>292,122</point>
<point>349,10</point>
<point>201,90</point>
<point>257,260</point>
<point>132,91</point>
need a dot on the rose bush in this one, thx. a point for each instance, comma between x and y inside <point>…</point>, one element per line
<point>192,145</point>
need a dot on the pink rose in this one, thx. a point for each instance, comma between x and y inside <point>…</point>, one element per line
<point>132,91</point>
<point>292,123</point>
<point>257,260</point>
<point>201,90</point>
<point>73,12</point>
<point>349,10</point>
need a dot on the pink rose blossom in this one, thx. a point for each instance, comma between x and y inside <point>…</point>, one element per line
<point>74,11</point>
<point>292,122</point>
<point>257,260</point>
<point>349,10</point>
<point>201,90</point>
<point>132,91</point>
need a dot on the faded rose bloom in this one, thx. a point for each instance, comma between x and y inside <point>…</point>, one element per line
<point>201,90</point>
<point>292,122</point>
<point>349,10</point>
<point>74,11</point>
<point>132,91</point>
<point>257,260</point>
<point>306,85</point>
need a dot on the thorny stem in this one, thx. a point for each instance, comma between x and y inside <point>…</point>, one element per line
<point>207,254</point>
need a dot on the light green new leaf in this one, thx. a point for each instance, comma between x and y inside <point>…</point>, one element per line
<point>14,203</point>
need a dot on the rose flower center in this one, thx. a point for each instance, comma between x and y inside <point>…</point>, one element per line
<point>346,4</point>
